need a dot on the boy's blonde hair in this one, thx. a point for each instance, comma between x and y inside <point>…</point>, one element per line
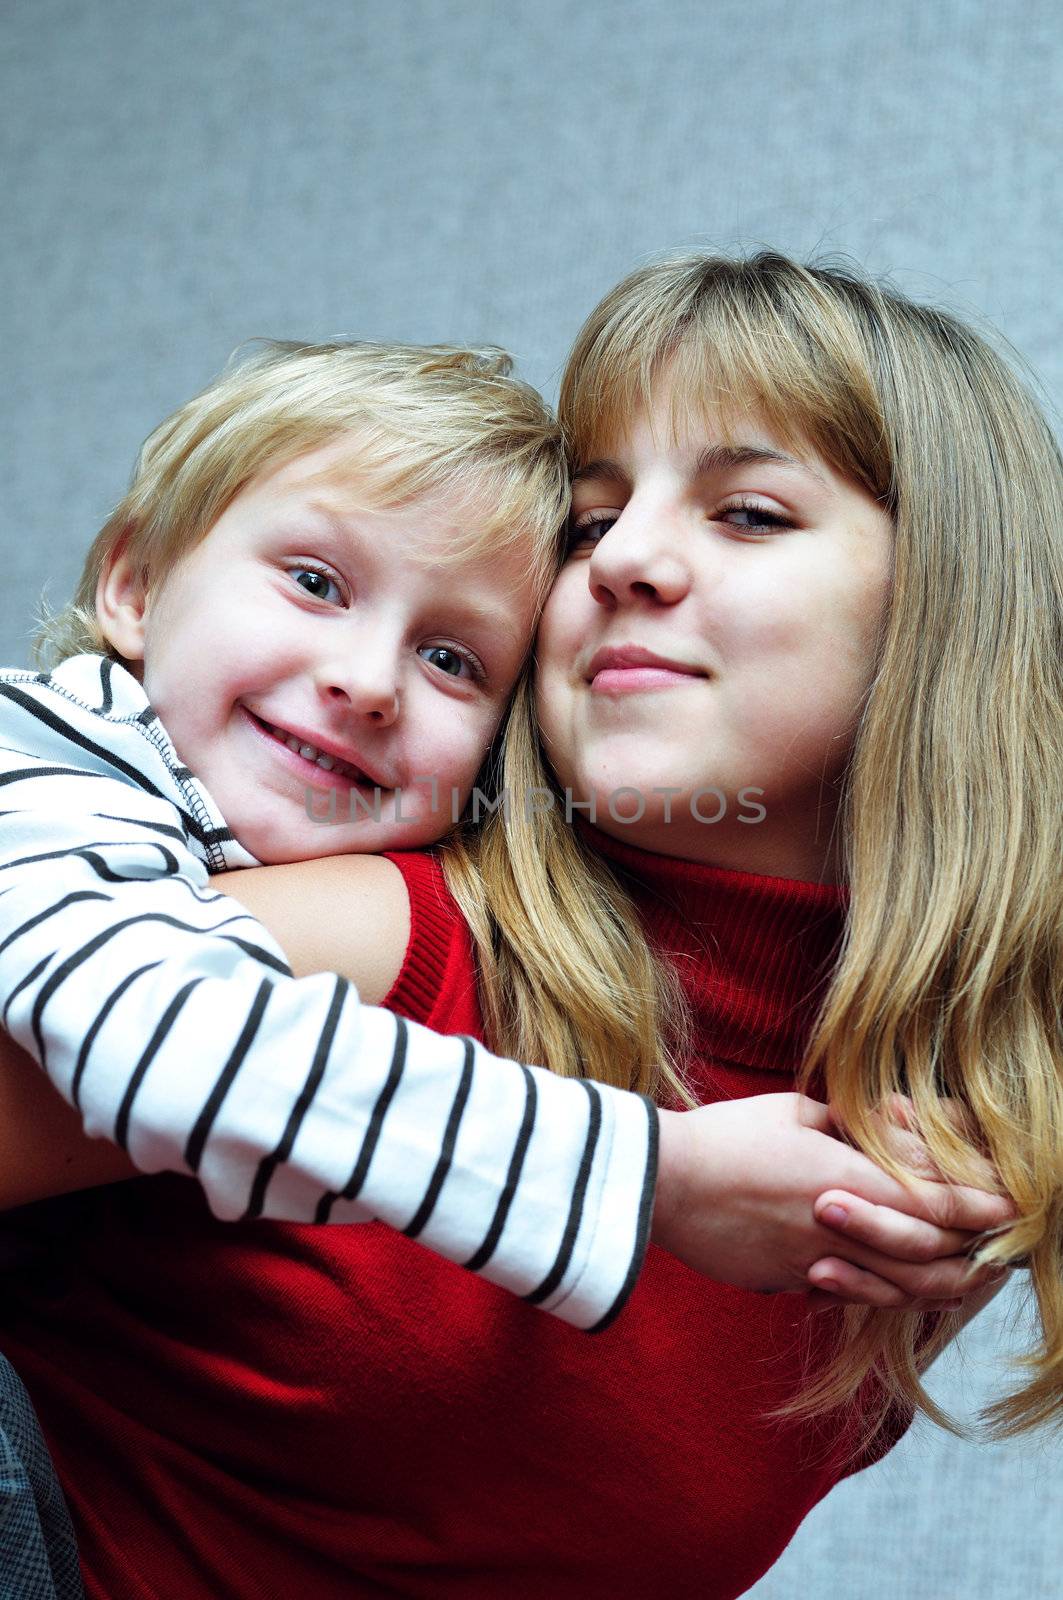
<point>949,986</point>
<point>422,419</point>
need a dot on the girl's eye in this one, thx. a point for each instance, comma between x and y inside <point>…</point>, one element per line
<point>753,518</point>
<point>317,583</point>
<point>453,662</point>
<point>589,528</point>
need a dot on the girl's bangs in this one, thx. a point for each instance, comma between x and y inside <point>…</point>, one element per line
<point>728,353</point>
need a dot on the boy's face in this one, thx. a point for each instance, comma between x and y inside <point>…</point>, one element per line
<point>305,620</point>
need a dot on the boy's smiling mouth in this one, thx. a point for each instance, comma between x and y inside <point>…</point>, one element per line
<point>326,761</point>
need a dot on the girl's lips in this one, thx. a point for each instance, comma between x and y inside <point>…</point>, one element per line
<point>637,680</point>
<point>632,669</point>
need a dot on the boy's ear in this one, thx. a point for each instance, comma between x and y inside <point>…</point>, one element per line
<point>122,603</point>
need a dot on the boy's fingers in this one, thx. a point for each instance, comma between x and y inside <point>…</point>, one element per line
<point>851,1283</point>
<point>912,1153</point>
<point>899,1109</point>
<point>898,1130</point>
<point>814,1114</point>
<point>906,1147</point>
<point>947,1205</point>
<point>954,1205</point>
<point>893,1233</point>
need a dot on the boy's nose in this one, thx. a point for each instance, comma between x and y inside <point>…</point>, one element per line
<point>368,688</point>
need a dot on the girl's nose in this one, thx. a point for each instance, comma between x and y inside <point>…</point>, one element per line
<point>640,559</point>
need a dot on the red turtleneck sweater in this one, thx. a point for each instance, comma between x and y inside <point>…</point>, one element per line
<point>258,1410</point>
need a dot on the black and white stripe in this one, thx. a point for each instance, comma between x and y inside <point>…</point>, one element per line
<point>177,1029</point>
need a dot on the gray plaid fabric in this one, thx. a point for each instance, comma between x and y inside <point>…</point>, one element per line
<point>38,1556</point>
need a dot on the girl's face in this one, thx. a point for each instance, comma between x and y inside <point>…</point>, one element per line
<point>709,644</point>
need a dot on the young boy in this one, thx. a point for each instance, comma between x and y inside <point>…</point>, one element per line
<point>312,603</point>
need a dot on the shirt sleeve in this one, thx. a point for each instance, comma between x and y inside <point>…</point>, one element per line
<point>174,1025</point>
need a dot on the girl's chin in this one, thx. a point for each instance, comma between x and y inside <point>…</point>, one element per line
<point>654,785</point>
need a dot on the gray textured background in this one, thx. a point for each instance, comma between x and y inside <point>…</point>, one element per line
<point>180,177</point>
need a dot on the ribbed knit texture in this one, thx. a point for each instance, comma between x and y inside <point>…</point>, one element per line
<point>257,1412</point>
<point>437,963</point>
<point>753,954</point>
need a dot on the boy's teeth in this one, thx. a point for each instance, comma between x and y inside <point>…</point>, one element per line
<point>310,752</point>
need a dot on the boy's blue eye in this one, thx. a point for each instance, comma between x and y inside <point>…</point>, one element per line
<point>448,661</point>
<point>317,583</point>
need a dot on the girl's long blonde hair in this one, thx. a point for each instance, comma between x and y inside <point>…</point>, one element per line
<point>949,985</point>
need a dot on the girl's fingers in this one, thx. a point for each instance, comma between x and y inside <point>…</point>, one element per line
<point>917,1282</point>
<point>835,1282</point>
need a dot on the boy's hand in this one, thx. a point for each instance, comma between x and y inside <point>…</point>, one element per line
<point>736,1190</point>
<point>836,1278</point>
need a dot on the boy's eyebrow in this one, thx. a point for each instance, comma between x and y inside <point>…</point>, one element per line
<point>467,612</point>
<point>470,613</point>
<point>328,513</point>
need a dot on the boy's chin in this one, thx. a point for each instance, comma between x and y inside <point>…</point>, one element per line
<point>318,834</point>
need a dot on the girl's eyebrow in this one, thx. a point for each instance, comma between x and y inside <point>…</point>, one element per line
<point>714,458</point>
<point>610,471</point>
<point>725,457</point>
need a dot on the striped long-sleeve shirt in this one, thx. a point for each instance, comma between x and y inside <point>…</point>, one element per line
<point>169,1017</point>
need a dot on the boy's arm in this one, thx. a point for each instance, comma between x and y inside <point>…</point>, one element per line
<point>736,1182</point>
<point>44,1152</point>
<point>348,914</point>
<point>173,1023</point>
<point>170,1020</point>
<point>43,1148</point>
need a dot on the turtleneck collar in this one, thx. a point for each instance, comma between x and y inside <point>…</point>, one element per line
<point>753,953</point>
